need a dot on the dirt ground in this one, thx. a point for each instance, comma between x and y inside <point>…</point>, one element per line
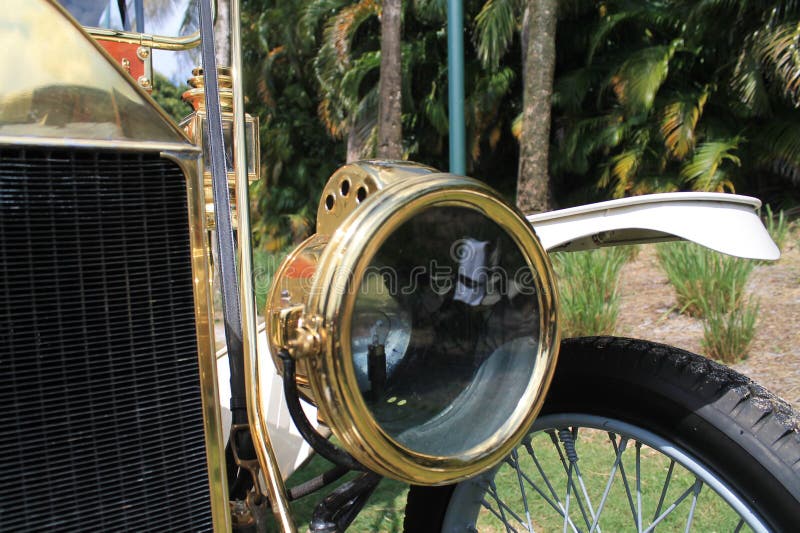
<point>649,312</point>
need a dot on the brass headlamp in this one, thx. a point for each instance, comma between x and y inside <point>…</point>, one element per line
<point>422,316</point>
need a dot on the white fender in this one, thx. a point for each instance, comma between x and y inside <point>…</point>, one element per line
<point>727,223</point>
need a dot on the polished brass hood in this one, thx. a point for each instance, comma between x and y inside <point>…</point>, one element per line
<point>57,86</point>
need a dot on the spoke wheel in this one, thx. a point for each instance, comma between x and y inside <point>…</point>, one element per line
<point>635,436</point>
<point>579,472</point>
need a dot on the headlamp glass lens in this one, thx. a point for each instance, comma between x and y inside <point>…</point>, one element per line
<point>445,331</point>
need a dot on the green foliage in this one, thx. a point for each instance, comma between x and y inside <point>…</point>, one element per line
<point>597,454</point>
<point>727,335</point>
<point>690,103</point>
<point>704,279</point>
<point>297,156</point>
<point>649,96</point>
<point>712,286</point>
<point>168,96</point>
<point>588,285</point>
<point>778,227</point>
<point>346,70</point>
<point>265,263</point>
<point>384,511</point>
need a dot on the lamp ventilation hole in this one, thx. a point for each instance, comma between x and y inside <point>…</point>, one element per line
<point>361,194</point>
<point>345,187</point>
<point>329,201</point>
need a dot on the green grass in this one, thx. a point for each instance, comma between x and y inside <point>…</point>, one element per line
<point>778,227</point>
<point>596,457</point>
<point>264,266</point>
<point>588,285</point>
<point>727,336</point>
<point>704,279</point>
<point>383,513</point>
<point>711,286</point>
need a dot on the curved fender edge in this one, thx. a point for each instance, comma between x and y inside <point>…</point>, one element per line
<point>727,223</point>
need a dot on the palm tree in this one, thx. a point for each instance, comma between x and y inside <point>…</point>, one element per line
<point>390,127</point>
<point>539,58</point>
<point>535,20</point>
<point>679,94</point>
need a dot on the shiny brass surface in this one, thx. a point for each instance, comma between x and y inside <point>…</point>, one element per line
<point>193,126</point>
<point>287,299</point>
<point>212,415</point>
<point>354,183</point>
<point>62,86</point>
<point>256,399</point>
<point>161,42</point>
<point>324,274</point>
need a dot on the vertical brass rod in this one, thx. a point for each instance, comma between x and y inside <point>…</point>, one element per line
<point>258,427</point>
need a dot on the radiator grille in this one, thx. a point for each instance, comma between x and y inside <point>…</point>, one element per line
<point>100,410</point>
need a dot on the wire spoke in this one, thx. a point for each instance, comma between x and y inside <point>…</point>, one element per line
<point>623,443</point>
<point>554,503</point>
<point>671,508</point>
<point>698,485</point>
<point>549,485</point>
<point>625,481</point>
<point>639,487</point>
<point>515,457</point>
<point>566,437</point>
<point>665,488</point>
<point>502,507</point>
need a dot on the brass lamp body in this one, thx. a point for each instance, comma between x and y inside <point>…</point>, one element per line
<point>311,305</point>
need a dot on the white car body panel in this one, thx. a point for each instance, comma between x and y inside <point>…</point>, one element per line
<point>727,223</point>
<point>291,451</point>
<point>723,222</point>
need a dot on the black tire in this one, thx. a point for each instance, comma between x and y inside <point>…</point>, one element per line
<point>747,436</point>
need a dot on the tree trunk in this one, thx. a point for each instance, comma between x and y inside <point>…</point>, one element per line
<point>390,127</point>
<point>539,58</point>
<point>355,149</point>
<point>222,33</point>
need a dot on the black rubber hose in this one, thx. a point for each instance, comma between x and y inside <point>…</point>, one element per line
<point>319,443</point>
<point>317,483</point>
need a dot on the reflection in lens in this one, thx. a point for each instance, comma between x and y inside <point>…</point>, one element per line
<point>445,331</point>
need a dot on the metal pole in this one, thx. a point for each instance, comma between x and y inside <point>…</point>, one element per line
<point>140,16</point>
<point>255,402</point>
<point>455,85</point>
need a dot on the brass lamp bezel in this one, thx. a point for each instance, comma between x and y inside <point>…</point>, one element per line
<point>328,313</point>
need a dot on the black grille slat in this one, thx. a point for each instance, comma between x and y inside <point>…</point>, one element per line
<point>102,423</point>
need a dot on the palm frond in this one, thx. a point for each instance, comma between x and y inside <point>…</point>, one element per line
<point>350,86</point>
<point>620,171</point>
<point>315,13</point>
<point>655,183</point>
<point>431,11</point>
<point>678,122</point>
<point>601,31</point>
<point>495,25</point>
<point>435,109</point>
<point>778,49</point>
<point>640,77</point>
<point>747,84</point>
<point>516,126</point>
<point>705,172</point>
<point>586,137</point>
<point>340,29</point>
<point>778,148</point>
<point>572,88</point>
